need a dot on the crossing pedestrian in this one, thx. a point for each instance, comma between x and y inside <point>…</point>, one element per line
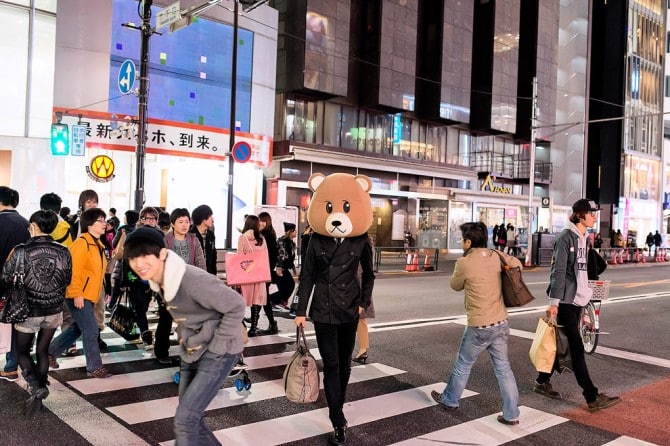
<point>254,294</point>
<point>270,235</point>
<point>13,230</point>
<point>203,228</point>
<point>45,294</point>
<point>568,294</point>
<point>209,315</point>
<point>478,273</point>
<point>88,272</point>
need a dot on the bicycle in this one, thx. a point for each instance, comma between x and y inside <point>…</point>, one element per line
<point>589,321</point>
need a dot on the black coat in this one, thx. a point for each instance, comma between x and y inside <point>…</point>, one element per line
<point>332,270</point>
<point>208,248</point>
<point>47,273</point>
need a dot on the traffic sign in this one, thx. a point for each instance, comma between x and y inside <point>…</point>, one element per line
<point>545,202</point>
<point>127,76</point>
<point>241,152</point>
<point>168,15</point>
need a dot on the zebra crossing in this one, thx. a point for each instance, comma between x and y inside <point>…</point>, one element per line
<point>136,405</point>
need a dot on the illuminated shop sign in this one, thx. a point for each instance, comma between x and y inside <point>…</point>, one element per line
<point>487,184</point>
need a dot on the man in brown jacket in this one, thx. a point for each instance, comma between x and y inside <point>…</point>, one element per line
<point>478,273</point>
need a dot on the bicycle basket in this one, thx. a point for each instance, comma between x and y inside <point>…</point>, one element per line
<point>601,289</point>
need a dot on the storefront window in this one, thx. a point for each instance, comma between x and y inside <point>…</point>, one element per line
<point>433,224</point>
<point>349,128</point>
<point>332,124</point>
<point>459,212</point>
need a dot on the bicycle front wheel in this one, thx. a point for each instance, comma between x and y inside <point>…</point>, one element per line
<point>587,328</point>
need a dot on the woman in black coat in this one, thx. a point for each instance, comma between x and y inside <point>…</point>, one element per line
<point>268,232</point>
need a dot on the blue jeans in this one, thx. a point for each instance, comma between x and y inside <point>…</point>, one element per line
<point>199,383</point>
<point>11,361</point>
<point>84,325</point>
<point>474,341</point>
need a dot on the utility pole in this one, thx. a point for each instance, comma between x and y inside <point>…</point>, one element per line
<point>143,96</point>
<point>531,176</point>
<point>231,142</point>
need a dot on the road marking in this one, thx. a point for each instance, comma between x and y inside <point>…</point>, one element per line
<point>487,430</point>
<point>628,441</point>
<point>315,422</point>
<point>89,386</point>
<point>145,411</point>
<point>87,420</point>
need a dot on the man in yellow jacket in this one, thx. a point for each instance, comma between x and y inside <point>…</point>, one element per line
<point>88,271</point>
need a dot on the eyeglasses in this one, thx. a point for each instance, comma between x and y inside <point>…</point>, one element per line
<point>593,213</point>
<point>101,220</point>
<point>149,218</point>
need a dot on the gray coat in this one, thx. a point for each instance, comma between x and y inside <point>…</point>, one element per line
<point>209,313</point>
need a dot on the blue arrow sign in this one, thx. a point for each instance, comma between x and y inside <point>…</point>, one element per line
<point>126,76</point>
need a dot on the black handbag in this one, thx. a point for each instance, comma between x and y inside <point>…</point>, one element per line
<point>122,320</point>
<point>514,290</point>
<point>16,307</point>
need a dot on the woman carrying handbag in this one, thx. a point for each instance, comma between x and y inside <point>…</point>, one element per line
<point>45,294</point>
<point>254,294</point>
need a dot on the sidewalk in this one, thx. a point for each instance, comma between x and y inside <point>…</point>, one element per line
<point>391,266</point>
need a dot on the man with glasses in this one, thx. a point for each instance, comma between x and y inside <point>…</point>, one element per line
<point>568,293</point>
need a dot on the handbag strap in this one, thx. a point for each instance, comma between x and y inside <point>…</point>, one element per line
<point>19,268</point>
<point>251,248</point>
<point>503,263</point>
<point>300,337</point>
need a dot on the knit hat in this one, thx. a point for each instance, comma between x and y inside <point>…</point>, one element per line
<point>585,205</point>
<point>289,227</point>
<point>147,234</point>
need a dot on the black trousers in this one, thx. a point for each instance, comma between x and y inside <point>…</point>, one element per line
<point>568,316</point>
<point>162,335</point>
<point>286,285</point>
<point>336,344</point>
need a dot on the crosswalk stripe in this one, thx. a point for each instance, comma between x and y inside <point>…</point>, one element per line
<point>487,430</point>
<point>87,420</point>
<point>315,422</point>
<point>228,397</point>
<point>628,441</point>
<point>131,380</point>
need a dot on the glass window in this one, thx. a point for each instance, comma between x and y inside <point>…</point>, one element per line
<point>46,5</point>
<point>332,124</point>
<point>14,54</point>
<point>349,128</point>
<point>42,76</point>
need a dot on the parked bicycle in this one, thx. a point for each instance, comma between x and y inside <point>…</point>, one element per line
<point>589,322</point>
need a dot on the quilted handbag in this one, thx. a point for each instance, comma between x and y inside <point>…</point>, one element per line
<point>301,376</point>
<point>122,320</point>
<point>16,307</point>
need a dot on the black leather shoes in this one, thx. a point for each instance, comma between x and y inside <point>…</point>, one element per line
<point>339,435</point>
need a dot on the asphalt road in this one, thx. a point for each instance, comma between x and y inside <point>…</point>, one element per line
<point>414,339</point>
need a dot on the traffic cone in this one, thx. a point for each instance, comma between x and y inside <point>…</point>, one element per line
<point>408,264</point>
<point>426,263</point>
<point>613,259</point>
<point>415,264</point>
<point>657,256</point>
<point>620,260</point>
<point>644,257</point>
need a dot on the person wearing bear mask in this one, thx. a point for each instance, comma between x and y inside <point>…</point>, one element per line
<point>340,213</point>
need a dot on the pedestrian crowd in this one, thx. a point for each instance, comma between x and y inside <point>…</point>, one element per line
<point>77,268</point>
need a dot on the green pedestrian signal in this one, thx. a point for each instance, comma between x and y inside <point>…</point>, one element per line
<point>60,139</point>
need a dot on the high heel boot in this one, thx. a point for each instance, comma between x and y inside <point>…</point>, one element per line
<point>272,328</point>
<point>255,315</point>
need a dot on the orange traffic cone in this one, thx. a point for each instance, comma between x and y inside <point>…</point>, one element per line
<point>643,256</point>
<point>620,260</point>
<point>408,264</point>
<point>426,263</point>
<point>415,264</point>
<point>613,259</point>
<point>657,257</point>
